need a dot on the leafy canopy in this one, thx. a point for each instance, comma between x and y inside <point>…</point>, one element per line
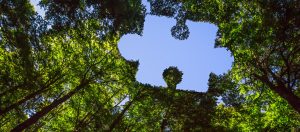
<point>64,72</point>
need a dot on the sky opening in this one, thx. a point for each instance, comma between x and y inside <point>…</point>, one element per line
<point>156,50</point>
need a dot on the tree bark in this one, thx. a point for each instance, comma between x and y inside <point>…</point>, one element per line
<point>289,96</point>
<point>15,105</point>
<point>33,119</point>
<point>163,125</point>
<point>28,97</point>
<point>283,91</point>
<point>120,116</point>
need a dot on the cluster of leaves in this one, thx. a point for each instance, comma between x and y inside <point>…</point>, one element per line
<point>172,76</point>
<point>263,37</point>
<point>63,72</point>
<point>164,109</point>
<point>255,110</point>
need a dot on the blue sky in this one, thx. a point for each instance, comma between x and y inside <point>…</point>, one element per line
<point>156,50</point>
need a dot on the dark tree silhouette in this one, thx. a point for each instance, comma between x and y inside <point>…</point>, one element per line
<point>172,76</point>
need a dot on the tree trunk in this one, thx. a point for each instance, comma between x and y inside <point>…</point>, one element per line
<point>120,116</point>
<point>163,125</point>
<point>284,92</point>
<point>15,105</point>
<point>87,117</point>
<point>289,96</point>
<point>28,97</point>
<point>33,119</point>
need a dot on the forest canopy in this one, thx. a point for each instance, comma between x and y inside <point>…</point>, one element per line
<point>64,71</point>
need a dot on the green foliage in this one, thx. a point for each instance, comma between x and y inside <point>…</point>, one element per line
<point>59,79</point>
<point>116,15</point>
<point>262,36</point>
<point>64,72</point>
<point>172,76</point>
<point>179,110</point>
<point>251,110</point>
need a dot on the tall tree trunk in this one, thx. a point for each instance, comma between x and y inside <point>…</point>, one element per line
<point>33,119</point>
<point>28,97</point>
<point>15,105</point>
<point>120,116</point>
<point>289,96</point>
<point>87,117</point>
<point>283,91</point>
<point>163,124</point>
